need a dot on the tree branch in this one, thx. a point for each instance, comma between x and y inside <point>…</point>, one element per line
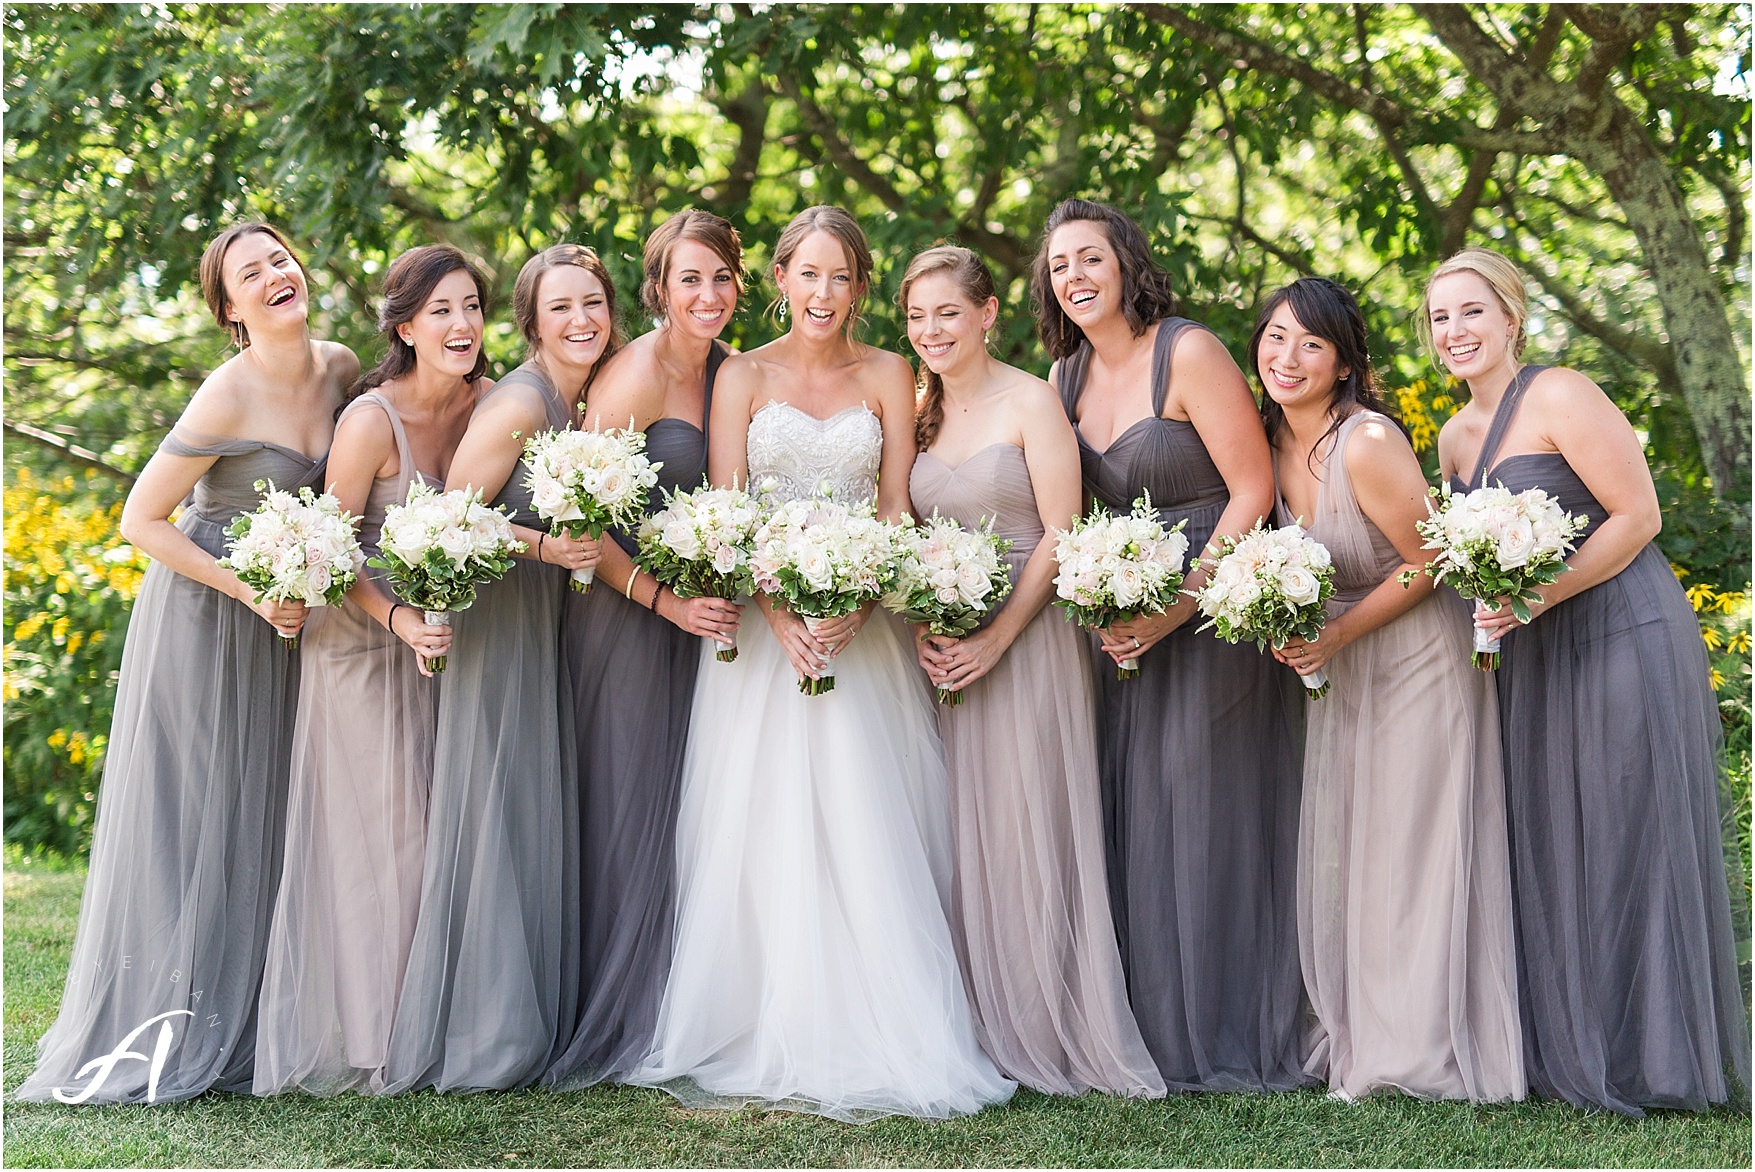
<point>84,457</point>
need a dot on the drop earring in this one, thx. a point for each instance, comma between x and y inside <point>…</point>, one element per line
<point>783,309</point>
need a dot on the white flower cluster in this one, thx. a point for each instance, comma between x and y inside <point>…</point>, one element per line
<point>586,481</point>
<point>1284,566</point>
<point>956,568</point>
<point>1495,526</point>
<point>712,528</point>
<point>454,523</point>
<point>1117,567</point>
<point>295,548</point>
<point>823,557</point>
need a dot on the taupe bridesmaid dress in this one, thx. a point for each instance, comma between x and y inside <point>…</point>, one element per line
<point>356,834</point>
<point>1404,879</point>
<point>186,853</point>
<point>1030,902</point>
<point>491,987</point>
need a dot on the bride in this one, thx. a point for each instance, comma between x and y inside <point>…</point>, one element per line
<point>813,966</point>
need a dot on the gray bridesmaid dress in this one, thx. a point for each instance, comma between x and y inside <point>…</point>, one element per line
<point>1200,757</point>
<point>173,926</point>
<point>492,977</point>
<point>1627,962</point>
<point>362,763</point>
<point>633,683</point>
<point>1029,899</point>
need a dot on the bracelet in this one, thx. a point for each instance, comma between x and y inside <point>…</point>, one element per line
<point>539,538</point>
<point>390,619</point>
<point>628,590</point>
<point>657,589</point>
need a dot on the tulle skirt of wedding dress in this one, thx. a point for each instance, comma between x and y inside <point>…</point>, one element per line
<point>813,966</point>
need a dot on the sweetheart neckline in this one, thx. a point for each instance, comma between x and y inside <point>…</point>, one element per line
<point>1125,432</point>
<point>813,418</point>
<point>949,467</point>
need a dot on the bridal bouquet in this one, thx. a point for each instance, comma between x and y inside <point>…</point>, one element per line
<point>699,545</point>
<point>438,547</point>
<point>948,577</point>
<point>583,482</point>
<point>295,547</point>
<point>1269,586</point>
<point>823,559</point>
<point>1117,568</point>
<point>1494,543</point>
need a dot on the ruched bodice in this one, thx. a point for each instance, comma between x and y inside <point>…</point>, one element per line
<point>514,495</point>
<point>228,488</point>
<point>1547,471</point>
<point>804,455</point>
<point>993,484</point>
<point>1363,556</point>
<point>1162,456</point>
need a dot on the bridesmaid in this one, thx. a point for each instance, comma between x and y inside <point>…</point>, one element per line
<point>631,654</point>
<point>1626,962</point>
<point>356,819</point>
<point>1404,885</point>
<point>1030,900</point>
<point>1199,754</point>
<point>491,988</point>
<point>160,1001</point>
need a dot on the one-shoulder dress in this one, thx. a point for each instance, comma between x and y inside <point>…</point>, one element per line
<point>1404,884</point>
<point>633,679</point>
<point>1029,892</point>
<point>356,833</point>
<point>186,854</point>
<point>1200,757</point>
<point>491,985</point>
<point>1627,965</point>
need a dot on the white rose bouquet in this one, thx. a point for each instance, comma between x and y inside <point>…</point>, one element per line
<point>1494,543</point>
<point>1269,586</point>
<point>948,577</point>
<point>699,545</point>
<point>583,482</point>
<point>437,547</point>
<point>1117,568</point>
<point>295,547</point>
<point>823,559</point>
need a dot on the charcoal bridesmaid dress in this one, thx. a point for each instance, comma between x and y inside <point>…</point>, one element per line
<point>186,854</point>
<point>1200,756</point>
<point>1029,896</point>
<point>491,986</point>
<point>633,682</point>
<point>1404,885</point>
<point>362,764</point>
<point>1627,964</point>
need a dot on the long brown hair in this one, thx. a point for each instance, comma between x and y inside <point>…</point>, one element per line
<point>212,273</point>
<point>1146,295</point>
<point>843,227</point>
<point>529,284</point>
<point>689,224</point>
<point>975,282</point>
<point>410,281</point>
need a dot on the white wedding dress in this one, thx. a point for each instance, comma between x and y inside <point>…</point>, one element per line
<point>813,967</point>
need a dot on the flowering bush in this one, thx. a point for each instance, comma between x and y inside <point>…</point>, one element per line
<point>437,547</point>
<point>1117,568</point>
<point>583,482</point>
<point>299,548</point>
<point>949,578</point>
<point>1493,543</point>
<point>1268,586</point>
<point>823,559</point>
<point>699,546</point>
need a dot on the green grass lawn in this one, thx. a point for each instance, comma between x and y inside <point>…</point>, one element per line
<point>623,1126</point>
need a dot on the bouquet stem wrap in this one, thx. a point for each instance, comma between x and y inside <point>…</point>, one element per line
<point>582,580</point>
<point>1486,656</point>
<point>726,650</point>
<point>436,618</point>
<point>1316,683</point>
<point>825,682</point>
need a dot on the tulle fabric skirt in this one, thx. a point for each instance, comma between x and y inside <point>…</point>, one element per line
<point>813,966</point>
<point>1626,950</point>
<point>356,833</point>
<point>1404,884</point>
<point>1031,894</point>
<point>492,984</point>
<point>186,854</point>
<point>633,681</point>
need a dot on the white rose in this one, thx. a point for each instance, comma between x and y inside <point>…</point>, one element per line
<point>548,497</point>
<point>1300,586</point>
<point>457,545</point>
<point>1516,544</point>
<point>725,559</point>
